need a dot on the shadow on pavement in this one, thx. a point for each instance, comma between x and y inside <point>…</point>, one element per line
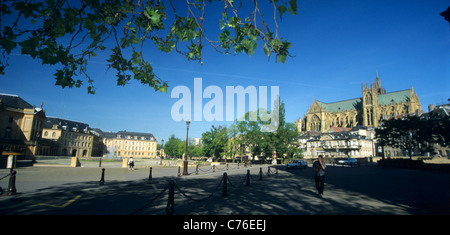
<point>347,191</point>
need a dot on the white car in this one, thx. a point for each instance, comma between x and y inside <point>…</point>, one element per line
<point>297,164</point>
<point>348,161</point>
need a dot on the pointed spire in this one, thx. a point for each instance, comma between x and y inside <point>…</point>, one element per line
<point>377,81</point>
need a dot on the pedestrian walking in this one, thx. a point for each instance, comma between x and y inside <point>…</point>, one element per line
<point>319,167</point>
<point>131,164</point>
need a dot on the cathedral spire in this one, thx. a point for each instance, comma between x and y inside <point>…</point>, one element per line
<point>377,81</point>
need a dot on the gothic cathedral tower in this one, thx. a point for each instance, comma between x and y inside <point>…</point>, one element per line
<point>370,102</point>
<point>369,110</point>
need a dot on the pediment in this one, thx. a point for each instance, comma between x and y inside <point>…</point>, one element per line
<point>315,107</point>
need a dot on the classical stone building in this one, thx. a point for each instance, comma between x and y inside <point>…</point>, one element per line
<point>20,127</point>
<point>61,137</point>
<point>374,105</point>
<point>130,144</point>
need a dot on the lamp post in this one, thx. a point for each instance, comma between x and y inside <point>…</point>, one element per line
<point>185,165</point>
<point>410,145</point>
<point>161,152</point>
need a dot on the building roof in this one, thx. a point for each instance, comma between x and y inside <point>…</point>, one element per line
<point>65,124</point>
<point>395,97</point>
<point>14,101</point>
<point>339,129</point>
<point>341,105</point>
<point>128,135</point>
<point>338,136</point>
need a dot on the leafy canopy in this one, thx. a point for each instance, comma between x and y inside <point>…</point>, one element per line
<point>69,33</point>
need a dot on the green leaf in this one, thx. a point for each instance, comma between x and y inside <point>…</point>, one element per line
<point>293,7</point>
<point>7,44</point>
<point>266,50</point>
<point>109,20</point>
<point>163,88</point>
<point>29,46</point>
<point>60,29</point>
<point>282,58</point>
<point>155,17</point>
<point>251,47</point>
<point>282,9</point>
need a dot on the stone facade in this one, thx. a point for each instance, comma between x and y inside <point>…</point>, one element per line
<point>20,126</point>
<point>368,110</point>
<point>130,144</point>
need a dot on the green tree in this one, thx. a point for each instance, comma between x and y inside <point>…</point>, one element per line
<point>215,141</point>
<point>283,141</point>
<point>418,134</point>
<point>194,150</point>
<point>69,34</point>
<point>174,147</point>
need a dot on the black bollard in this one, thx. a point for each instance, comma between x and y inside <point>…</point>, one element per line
<point>150,174</point>
<point>100,163</point>
<point>170,208</point>
<point>102,180</point>
<point>179,174</point>
<point>224,187</point>
<point>260,173</point>
<point>268,171</point>
<point>214,168</point>
<point>247,183</point>
<point>12,184</point>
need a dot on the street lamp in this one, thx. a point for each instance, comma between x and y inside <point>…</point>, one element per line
<point>410,145</point>
<point>161,152</point>
<point>185,165</point>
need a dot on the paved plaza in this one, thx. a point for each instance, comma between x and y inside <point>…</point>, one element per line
<point>348,191</point>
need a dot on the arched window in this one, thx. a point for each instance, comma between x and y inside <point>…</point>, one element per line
<point>368,99</point>
<point>315,123</point>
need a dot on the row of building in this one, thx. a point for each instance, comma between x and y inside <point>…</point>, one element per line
<point>25,131</point>
<point>337,129</point>
<point>347,128</point>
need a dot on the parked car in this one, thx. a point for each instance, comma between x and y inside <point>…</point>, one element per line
<point>297,164</point>
<point>348,161</point>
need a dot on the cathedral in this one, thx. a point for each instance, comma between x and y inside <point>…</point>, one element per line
<point>368,110</point>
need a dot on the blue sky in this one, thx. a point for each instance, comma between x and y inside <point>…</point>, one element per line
<point>338,46</point>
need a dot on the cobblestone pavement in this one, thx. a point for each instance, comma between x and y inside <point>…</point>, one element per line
<point>349,191</point>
